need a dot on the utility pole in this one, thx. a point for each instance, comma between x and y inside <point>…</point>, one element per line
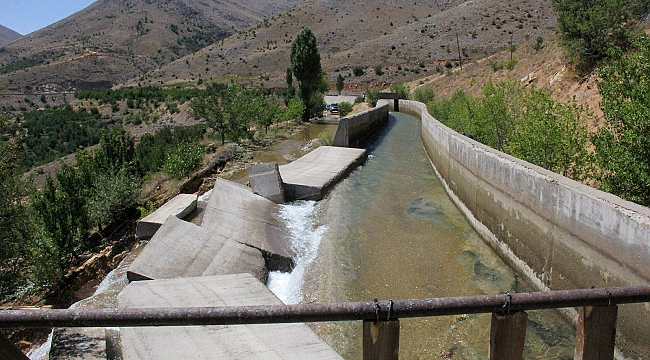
<point>459,56</point>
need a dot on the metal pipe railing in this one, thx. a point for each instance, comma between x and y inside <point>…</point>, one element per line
<point>369,310</point>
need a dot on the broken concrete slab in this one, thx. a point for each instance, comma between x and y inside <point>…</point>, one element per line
<point>313,175</point>
<point>180,206</point>
<point>265,181</point>
<point>234,212</point>
<point>182,249</point>
<point>78,344</point>
<point>267,341</point>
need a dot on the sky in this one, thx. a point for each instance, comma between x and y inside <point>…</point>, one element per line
<point>26,16</point>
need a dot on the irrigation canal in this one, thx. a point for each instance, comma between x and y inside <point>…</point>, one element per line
<point>389,231</point>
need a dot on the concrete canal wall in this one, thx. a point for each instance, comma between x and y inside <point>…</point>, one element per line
<point>560,233</point>
<point>355,130</point>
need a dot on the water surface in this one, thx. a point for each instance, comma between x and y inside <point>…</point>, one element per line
<point>393,233</point>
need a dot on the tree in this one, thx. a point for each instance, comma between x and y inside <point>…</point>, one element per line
<point>14,224</point>
<point>623,145</point>
<point>340,83</point>
<point>208,108</point>
<point>291,91</point>
<point>306,67</point>
<point>552,135</point>
<point>401,90</point>
<point>588,28</point>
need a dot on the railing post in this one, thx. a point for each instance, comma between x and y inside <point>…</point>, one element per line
<point>596,332</point>
<point>9,351</point>
<point>507,336</point>
<point>380,339</point>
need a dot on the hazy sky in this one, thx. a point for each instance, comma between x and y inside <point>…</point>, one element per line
<point>25,16</point>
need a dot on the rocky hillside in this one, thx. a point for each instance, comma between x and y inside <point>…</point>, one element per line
<point>404,38</point>
<point>114,40</point>
<point>7,35</point>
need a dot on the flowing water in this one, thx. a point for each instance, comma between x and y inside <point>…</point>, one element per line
<point>389,231</point>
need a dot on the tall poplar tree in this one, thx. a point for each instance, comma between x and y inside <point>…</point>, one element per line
<point>306,67</point>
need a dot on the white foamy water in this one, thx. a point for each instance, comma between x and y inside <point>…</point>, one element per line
<point>305,239</point>
<point>41,352</point>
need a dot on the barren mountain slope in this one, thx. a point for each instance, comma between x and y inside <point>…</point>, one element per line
<point>7,35</point>
<point>404,37</point>
<point>114,40</point>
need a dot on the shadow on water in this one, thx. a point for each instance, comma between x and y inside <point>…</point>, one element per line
<point>393,233</point>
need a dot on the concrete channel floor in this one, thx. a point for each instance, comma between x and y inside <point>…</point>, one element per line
<point>267,341</point>
<point>313,175</point>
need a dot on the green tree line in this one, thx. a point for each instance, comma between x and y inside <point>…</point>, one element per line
<point>43,232</point>
<point>528,124</point>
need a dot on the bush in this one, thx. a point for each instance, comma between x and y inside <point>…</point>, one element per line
<point>495,65</point>
<point>379,71</point>
<point>372,95</point>
<point>183,159</point>
<point>357,70</point>
<point>510,64</point>
<point>401,90</point>
<point>589,28</point>
<point>344,108</point>
<point>326,138</point>
<point>425,94</point>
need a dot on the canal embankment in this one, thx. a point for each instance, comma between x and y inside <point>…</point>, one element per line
<point>559,233</point>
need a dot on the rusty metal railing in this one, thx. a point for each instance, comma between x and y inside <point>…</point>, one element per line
<point>595,333</point>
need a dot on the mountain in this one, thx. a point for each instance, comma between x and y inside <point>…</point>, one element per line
<point>405,38</point>
<point>7,35</point>
<point>114,40</point>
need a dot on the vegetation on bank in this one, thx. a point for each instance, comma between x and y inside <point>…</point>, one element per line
<point>45,232</point>
<point>529,124</point>
<point>526,123</point>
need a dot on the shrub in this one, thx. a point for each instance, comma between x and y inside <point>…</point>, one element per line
<point>379,71</point>
<point>183,159</point>
<point>344,108</point>
<point>510,64</point>
<point>425,94</point>
<point>401,90</point>
<point>357,70</point>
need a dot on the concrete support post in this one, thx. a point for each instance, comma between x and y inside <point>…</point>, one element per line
<point>596,332</point>
<point>8,351</point>
<point>380,339</point>
<point>507,336</point>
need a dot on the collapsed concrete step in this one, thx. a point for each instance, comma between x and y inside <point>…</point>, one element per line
<point>182,249</point>
<point>78,344</point>
<point>267,341</point>
<point>180,206</point>
<point>234,212</point>
<point>313,175</point>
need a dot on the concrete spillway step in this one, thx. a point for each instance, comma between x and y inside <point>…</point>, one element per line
<point>268,341</point>
<point>234,212</point>
<point>180,206</point>
<point>313,175</point>
<point>182,249</point>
